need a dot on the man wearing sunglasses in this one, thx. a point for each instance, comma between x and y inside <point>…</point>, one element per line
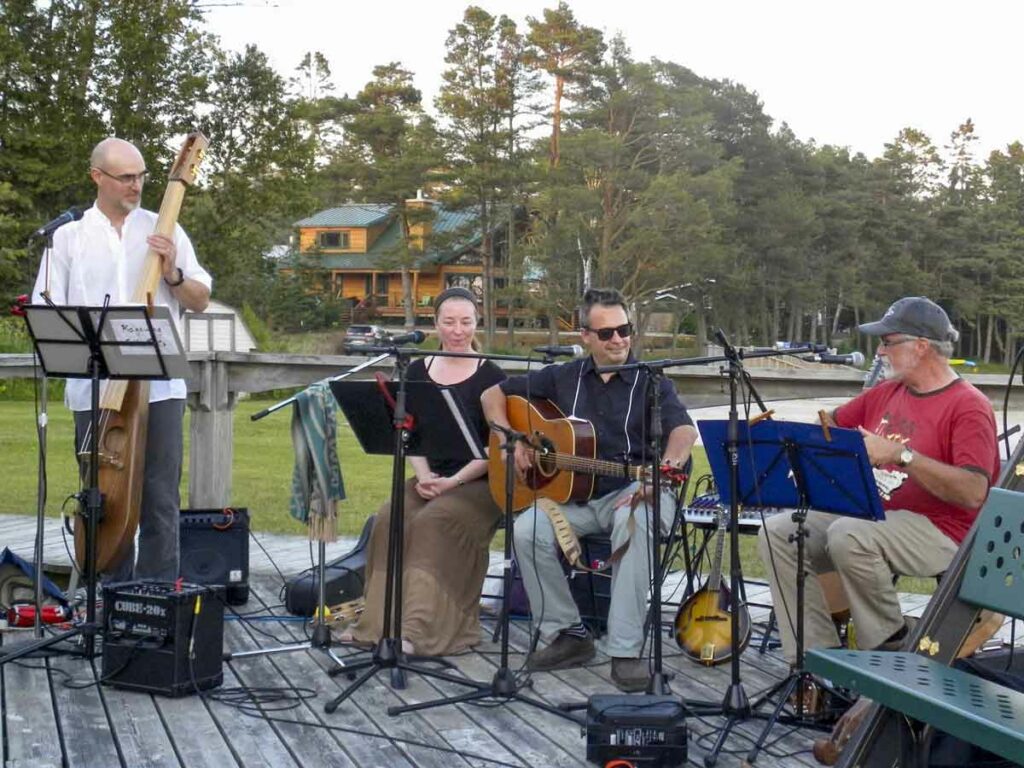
<point>103,254</point>
<point>616,404</point>
<point>931,437</point>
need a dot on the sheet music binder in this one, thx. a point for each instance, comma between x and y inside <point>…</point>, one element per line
<point>136,342</point>
<point>837,471</point>
<point>438,414</point>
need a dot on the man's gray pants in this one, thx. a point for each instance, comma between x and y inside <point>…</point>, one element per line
<point>551,601</point>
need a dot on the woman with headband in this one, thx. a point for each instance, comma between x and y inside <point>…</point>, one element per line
<point>450,517</point>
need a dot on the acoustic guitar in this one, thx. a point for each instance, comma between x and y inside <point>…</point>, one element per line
<point>124,405</point>
<point>565,456</point>
<point>703,624</point>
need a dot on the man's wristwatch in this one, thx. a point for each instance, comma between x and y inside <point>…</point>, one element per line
<point>906,456</point>
<point>179,281</point>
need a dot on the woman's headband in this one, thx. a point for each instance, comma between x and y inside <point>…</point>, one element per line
<point>454,293</point>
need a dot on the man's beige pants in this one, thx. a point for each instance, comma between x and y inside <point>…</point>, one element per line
<point>865,554</point>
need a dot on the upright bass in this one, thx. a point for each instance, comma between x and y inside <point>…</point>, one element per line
<point>124,405</point>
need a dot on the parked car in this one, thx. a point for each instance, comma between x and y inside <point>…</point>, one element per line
<point>357,335</point>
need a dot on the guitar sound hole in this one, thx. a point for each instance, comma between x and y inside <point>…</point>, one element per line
<point>546,458</point>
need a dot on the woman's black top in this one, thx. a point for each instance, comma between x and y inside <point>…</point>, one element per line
<point>468,391</point>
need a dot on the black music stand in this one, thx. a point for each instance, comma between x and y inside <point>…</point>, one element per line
<point>129,342</point>
<point>503,685</point>
<point>377,413</point>
<point>797,466</point>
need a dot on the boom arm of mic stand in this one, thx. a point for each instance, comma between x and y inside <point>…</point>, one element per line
<point>339,377</point>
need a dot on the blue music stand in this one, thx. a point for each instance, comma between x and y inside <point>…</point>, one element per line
<point>797,466</point>
<point>775,456</point>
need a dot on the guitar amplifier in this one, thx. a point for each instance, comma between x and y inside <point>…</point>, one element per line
<point>215,549</point>
<point>161,637</point>
<point>646,730</point>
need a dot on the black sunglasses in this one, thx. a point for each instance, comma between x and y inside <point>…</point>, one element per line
<point>605,334</point>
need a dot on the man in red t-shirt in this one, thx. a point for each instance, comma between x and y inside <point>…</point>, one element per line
<point>931,437</point>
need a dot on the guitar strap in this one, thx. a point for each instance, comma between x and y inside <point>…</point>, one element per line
<point>570,544</point>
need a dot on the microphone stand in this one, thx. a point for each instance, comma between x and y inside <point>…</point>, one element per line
<point>504,686</point>
<point>321,636</point>
<point>735,705</point>
<point>42,421</point>
<point>388,653</point>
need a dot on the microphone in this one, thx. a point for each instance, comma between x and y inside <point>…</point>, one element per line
<point>856,359</point>
<point>412,337</point>
<point>74,213</point>
<point>573,350</point>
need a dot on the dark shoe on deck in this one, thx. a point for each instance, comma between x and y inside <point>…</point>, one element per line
<point>630,675</point>
<point>565,651</point>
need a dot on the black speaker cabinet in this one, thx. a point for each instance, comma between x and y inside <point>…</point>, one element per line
<point>163,637</point>
<point>215,550</point>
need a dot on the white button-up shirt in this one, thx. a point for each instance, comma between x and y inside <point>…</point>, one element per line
<point>90,260</point>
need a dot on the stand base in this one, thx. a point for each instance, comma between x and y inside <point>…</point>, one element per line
<point>320,640</point>
<point>388,654</point>
<point>503,687</point>
<point>85,631</point>
<point>784,690</point>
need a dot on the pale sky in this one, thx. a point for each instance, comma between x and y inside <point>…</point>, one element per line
<point>844,73</point>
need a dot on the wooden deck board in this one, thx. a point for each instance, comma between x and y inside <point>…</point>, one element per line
<point>139,729</point>
<point>87,735</point>
<point>47,724</point>
<point>30,726</point>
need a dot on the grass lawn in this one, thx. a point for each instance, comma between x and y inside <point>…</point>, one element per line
<point>262,474</point>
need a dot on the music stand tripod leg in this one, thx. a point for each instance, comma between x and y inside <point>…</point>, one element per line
<point>320,639</point>
<point>388,653</point>
<point>503,686</point>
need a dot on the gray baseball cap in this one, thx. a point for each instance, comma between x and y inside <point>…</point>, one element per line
<point>914,316</point>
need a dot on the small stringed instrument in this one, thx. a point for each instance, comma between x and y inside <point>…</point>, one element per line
<point>565,452</point>
<point>124,404</point>
<point>703,624</point>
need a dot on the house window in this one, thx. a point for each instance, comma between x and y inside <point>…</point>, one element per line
<point>381,282</point>
<point>334,240</point>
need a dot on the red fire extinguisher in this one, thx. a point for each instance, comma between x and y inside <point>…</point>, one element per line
<point>24,614</point>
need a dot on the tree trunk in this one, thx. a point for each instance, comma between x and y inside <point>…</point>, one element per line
<point>997,338</point>
<point>776,318</point>
<point>702,329</point>
<point>988,338</point>
<point>407,300</point>
<point>556,123</point>
<point>487,254</point>
<point>511,281</point>
<point>835,320</point>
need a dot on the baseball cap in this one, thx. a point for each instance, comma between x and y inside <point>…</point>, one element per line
<point>914,316</point>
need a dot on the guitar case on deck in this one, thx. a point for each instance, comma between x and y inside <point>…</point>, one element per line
<point>343,579</point>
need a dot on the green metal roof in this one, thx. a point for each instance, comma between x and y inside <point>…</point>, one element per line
<point>348,215</point>
<point>457,225</point>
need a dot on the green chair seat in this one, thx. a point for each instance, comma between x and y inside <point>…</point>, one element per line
<point>971,708</point>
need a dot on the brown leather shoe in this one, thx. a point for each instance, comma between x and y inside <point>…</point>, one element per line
<point>630,675</point>
<point>565,651</point>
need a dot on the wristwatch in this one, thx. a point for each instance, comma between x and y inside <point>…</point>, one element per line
<point>179,281</point>
<point>906,456</point>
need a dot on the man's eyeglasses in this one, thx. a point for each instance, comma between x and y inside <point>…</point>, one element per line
<point>605,334</point>
<point>893,342</point>
<point>126,178</point>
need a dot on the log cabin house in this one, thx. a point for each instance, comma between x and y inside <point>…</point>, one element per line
<point>357,246</point>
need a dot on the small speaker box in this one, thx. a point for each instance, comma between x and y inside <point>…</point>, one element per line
<point>215,550</point>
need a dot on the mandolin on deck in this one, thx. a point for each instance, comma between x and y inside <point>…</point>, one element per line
<point>703,624</point>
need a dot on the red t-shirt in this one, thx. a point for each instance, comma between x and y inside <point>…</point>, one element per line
<point>954,425</point>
